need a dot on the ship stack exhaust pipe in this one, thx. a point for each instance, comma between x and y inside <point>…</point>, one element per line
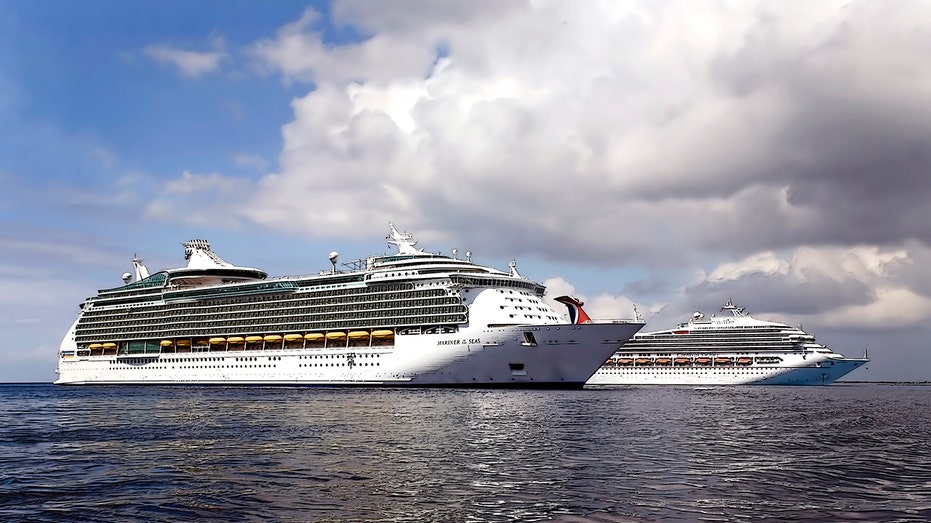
<point>577,314</point>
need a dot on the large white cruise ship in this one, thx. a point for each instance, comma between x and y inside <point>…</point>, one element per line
<point>412,318</point>
<point>731,350</point>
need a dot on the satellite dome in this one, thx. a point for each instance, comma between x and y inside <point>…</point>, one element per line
<point>126,277</point>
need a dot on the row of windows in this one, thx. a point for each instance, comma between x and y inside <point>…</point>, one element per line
<point>251,366</point>
<point>734,327</point>
<point>369,298</point>
<point>297,306</point>
<point>476,281</point>
<point>674,364</point>
<point>87,334</point>
<point>363,364</point>
<point>732,371</point>
<point>154,347</point>
<point>685,338</point>
<point>710,347</point>
<point>284,315</point>
<point>143,361</point>
<point>311,298</point>
<point>327,356</point>
<point>163,367</point>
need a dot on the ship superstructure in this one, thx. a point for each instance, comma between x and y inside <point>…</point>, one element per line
<point>732,349</point>
<point>409,318</point>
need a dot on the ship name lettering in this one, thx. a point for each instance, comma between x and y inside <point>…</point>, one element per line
<point>459,342</point>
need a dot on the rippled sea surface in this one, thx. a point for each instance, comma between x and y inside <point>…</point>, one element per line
<point>857,452</point>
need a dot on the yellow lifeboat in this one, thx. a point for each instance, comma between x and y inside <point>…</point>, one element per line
<point>382,333</point>
<point>682,361</point>
<point>253,339</point>
<point>358,334</point>
<point>723,361</point>
<point>166,343</point>
<point>95,346</point>
<point>183,343</point>
<point>744,361</point>
<point>293,337</point>
<point>624,361</point>
<point>313,336</point>
<point>272,338</point>
<point>109,345</point>
<point>703,361</point>
<point>663,361</point>
<point>217,341</point>
<point>643,361</point>
<point>235,339</point>
<point>335,335</point>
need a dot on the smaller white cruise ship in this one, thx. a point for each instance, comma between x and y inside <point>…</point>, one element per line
<point>731,350</point>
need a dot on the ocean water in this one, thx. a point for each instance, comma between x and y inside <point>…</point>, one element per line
<point>848,452</point>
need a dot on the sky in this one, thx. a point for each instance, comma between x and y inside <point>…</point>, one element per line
<point>665,154</point>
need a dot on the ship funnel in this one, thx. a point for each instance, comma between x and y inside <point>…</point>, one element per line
<point>577,314</point>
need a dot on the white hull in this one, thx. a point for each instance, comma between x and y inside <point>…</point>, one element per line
<point>553,356</point>
<point>795,369</point>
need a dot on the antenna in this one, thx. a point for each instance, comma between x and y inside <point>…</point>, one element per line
<point>512,265</point>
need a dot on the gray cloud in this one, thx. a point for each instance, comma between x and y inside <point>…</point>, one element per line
<point>818,293</point>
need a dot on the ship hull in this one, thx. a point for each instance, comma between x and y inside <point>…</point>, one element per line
<point>795,369</point>
<point>533,356</point>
